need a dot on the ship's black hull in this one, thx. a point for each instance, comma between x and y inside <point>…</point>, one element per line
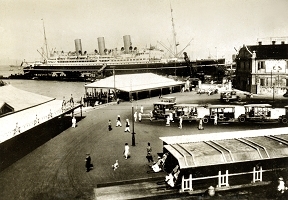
<point>84,72</point>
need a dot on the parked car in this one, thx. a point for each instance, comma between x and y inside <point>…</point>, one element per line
<point>229,96</point>
<point>225,113</point>
<point>284,118</point>
<point>256,112</point>
<point>162,109</point>
<point>188,112</point>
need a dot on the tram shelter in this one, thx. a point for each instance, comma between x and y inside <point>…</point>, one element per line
<point>227,159</point>
<point>130,87</point>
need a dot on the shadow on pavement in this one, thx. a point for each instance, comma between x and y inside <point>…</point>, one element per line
<point>21,145</point>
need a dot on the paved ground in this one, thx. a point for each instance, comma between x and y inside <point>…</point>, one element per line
<point>56,170</point>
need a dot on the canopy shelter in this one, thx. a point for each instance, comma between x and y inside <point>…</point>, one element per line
<point>14,99</point>
<point>133,86</point>
<point>192,151</point>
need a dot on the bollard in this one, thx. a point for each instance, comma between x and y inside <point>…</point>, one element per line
<point>211,191</point>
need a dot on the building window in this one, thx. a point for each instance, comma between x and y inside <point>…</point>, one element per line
<point>262,82</point>
<point>260,65</point>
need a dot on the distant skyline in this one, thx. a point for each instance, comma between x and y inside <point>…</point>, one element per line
<point>216,28</point>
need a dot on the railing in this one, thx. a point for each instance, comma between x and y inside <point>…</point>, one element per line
<point>223,179</point>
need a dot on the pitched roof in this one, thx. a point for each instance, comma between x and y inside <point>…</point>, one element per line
<point>135,82</point>
<point>20,99</point>
<point>277,51</point>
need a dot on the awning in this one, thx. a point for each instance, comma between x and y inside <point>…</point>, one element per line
<point>200,150</point>
<point>135,82</point>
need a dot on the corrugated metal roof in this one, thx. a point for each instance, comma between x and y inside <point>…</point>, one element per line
<point>223,135</point>
<point>135,82</point>
<point>202,151</point>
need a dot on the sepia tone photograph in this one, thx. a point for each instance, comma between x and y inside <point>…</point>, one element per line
<point>143,99</point>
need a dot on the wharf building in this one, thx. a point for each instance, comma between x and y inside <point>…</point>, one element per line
<point>263,68</point>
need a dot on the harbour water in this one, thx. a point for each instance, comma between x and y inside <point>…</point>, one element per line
<point>55,89</point>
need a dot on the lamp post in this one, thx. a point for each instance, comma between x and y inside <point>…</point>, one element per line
<point>133,133</point>
<point>131,99</point>
<point>272,85</point>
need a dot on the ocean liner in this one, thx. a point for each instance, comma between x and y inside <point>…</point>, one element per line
<point>105,62</point>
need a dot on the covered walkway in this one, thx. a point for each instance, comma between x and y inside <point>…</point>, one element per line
<point>225,155</point>
<point>130,87</point>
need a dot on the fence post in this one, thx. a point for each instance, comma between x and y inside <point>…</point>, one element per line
<point>223,179</point>
<point>219,179</point>
<point>183,184</point>
<point>190,182</point>
<point>257,174</point>
<point>227,183</point>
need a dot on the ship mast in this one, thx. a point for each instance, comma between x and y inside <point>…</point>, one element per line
<point>174,32</point>
<point>45,40</point>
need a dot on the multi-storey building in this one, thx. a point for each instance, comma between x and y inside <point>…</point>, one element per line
<point>263,68</point>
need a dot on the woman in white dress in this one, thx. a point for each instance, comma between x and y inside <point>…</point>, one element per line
<point>126,151</point>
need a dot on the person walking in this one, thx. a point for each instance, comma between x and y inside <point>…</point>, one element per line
<point>73,122</point>
<point>200,127</point>
<point>88,164</point>
<point>71,101</point>
<point>168,121</point>
<point>215,119</point>
<point>118,121</point>
<point>180,121</point>
<point>126,151</point>
<point>127,126</point>
<point>141,109</point>
<point>109,125</point>
<point>149,153</point>
<point>140,116</point>
<point>135,116</point>
<point>151,115</point>
<point>171,117</point>
<point>63,104</point>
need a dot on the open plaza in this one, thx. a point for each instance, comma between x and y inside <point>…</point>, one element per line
<point>56,169</point>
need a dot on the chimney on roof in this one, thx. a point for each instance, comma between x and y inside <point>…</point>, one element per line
<point>282,42</point>
<point>273,42</point>
<point>260,43</point>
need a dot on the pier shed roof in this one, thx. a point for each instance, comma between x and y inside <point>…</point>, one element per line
<point>20,99</point>
<point>229,147</point>
<point>135,82</point>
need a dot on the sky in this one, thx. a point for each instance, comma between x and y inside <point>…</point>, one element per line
<point>214,27</point>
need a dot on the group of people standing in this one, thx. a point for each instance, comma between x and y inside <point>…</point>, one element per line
<point>139,114</point>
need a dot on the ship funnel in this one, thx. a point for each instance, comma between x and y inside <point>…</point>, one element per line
<point>101,45</point>
<point>127,43</point>
<point>78,47</point>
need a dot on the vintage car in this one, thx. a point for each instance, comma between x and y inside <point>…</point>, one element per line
<point>284,118</point>
<point>225,113</point>
<point>188,112</point>
<point>256,112</point>
<point>162,109</point>
<point>168,99</point>
<point>229,96</point>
